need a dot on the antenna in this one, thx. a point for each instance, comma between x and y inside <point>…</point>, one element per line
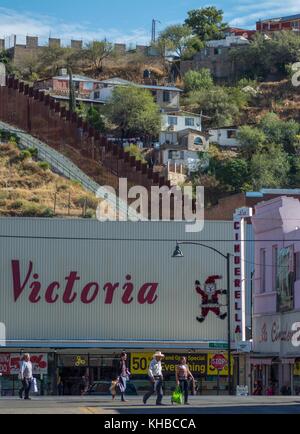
<point>154,21</point>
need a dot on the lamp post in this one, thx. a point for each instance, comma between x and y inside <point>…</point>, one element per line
<point>178,254</point>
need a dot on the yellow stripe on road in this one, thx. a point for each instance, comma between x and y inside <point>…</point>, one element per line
<point>88,410</point>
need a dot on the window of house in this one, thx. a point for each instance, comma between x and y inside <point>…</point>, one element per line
<point>295,24</point>
<point>76,85</point>
<point>297,266</point>
<point>189,122</point>
<point>274,267</point>
<point>166,96</point>
<point>172,120</point>
<point>231,134</point>
<point>96,95</point>
<point>154,94</point>
<point>262,270</point>
<point>181,155</point>
<point>198,141</point>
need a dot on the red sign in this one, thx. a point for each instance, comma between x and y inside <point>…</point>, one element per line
<point>10,363</point>
<point>219,362</point>
<point>5,364</point>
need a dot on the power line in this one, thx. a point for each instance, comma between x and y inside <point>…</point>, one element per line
<point>144,240</point>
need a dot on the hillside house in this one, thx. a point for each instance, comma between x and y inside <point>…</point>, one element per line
<point>291,22</point>
<point>167,97</point>
<point>226,137</point>
<point>216,57</point>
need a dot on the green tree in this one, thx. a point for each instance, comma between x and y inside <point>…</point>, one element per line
<point>92,115</point>
<point>267,55</point>
<point>270,168</point>
<point>134,111</point>
<point>233,174</point>
<point>198,80</point>
<point>95,53</point>
<point>223,105</point>
<point>251,139</point>
<point>179,38</point>
<point>281,132</point>
<point>207,23</point>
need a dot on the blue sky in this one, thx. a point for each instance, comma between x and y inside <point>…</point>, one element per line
<point>122,20</point>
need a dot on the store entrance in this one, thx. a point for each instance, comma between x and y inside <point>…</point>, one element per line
<point>70,381</point>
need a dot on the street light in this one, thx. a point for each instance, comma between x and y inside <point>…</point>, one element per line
<point>177,255</point>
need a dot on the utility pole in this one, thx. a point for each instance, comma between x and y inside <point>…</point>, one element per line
<point>72,98</point>
<point>153,38</point>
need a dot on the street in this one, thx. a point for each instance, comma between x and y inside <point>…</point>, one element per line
<point>103,405</point>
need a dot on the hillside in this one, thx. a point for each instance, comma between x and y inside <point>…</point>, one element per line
<point>30,188</point>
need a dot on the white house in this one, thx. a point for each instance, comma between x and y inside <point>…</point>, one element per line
<point>167,97</point>
<point>183,148</point>
<point>180,121</point>
<point>225,137</point>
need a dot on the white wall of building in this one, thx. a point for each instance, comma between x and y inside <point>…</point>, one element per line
<point>181,122</point>
<point>46,251</point>
<point>223,137</point>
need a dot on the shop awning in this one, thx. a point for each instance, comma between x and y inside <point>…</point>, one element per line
<point>288,361</point>
<point>261,362</point>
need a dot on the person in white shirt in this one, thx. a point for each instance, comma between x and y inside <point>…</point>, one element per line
<point>25,376</point>
<point>156,378</point>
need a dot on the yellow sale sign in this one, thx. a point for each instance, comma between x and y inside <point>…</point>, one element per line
<point>212,371</point>
<point>297,369</point>
<point>139,363</point>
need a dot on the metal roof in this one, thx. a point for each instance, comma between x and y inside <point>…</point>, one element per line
<point>76,78</point>
<point>119,81</point>
<point>290,17</point>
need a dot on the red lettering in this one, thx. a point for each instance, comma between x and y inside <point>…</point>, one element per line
<point>238,330</point>
<point>68,297</point>
<point>237,283</point>
<point>237,319</point>
<point>238,294</point>
<point>237,307</point>
<point>237,248</point>
<point>18,288</point>
<point>110,288</point>
<point>49,293</point>
<point>128,290</point>
<point>237,260</point>
<point>237,226</point>
<point>237,272</point>
<point>147,293</point>
<point>34,296</point>
<point>85,293</point>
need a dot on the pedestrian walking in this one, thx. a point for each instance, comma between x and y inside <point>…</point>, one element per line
<point>156,379</point>
<point>25,376</point>
<point>124,375</point>
<point>113,388</point>
<point>183,375</point>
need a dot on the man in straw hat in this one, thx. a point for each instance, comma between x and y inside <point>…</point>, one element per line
<point>156,378</point>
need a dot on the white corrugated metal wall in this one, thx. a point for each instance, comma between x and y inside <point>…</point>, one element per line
<point>146,256</point>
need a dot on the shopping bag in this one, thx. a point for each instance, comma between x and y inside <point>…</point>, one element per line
<point>177,396</point>
<point>34,387</point>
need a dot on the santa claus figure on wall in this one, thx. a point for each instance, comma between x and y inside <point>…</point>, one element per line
<point>210,297</point>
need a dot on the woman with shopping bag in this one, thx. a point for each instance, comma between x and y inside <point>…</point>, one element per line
<point>183,375</point>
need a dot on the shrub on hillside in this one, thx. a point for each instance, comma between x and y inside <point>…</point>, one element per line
<point>44,165</point>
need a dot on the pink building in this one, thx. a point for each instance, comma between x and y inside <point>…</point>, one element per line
<point>276,298</point>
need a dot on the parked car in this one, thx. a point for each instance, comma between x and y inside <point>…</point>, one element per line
<point>101,388</point>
